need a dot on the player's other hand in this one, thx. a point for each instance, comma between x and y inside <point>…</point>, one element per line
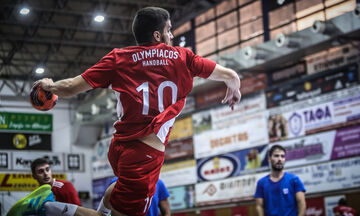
<point>45,83</point>
<point>232,97</point>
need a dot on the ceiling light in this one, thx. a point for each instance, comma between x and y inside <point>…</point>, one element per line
<point>182,41</point>
<point>99,18</point>
<point>322,27</point>
<point>280,2</point>
<point>282,40</point>
<point>253,53</point>
<point>39,70</point>
<point>24,11</point>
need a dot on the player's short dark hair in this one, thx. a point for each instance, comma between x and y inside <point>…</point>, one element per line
<point>38,162</point>
<point>342,201</point>
<point>147,21</point>
<point>275,147</point>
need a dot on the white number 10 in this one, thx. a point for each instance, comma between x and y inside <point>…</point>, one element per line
<point>145,89</point>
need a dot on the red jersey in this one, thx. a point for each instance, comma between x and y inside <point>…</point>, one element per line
<point>65,192</point>
<point>151,84</point>
<point>345,210</point>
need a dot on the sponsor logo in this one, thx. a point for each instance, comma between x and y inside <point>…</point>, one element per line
<point>20,141</point>
<point>218,167</point>
<point>53,160</point>
<point>285,190</point>
<point>313,211</point>
<point>210,190</point>
<point>295,124</point>
<point>316,115</point>
<point>34,139</point>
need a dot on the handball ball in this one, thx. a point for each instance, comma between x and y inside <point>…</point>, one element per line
<point>41,99</point>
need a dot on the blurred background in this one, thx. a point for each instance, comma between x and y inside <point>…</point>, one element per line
<point>299,65</point>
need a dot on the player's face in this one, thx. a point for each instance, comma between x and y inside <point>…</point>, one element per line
<point>167,36</point>
<point>277,160</point>
<point>43,174</point>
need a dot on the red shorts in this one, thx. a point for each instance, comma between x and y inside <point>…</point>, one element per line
<point>137,167</point>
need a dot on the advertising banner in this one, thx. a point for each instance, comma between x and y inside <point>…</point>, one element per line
<point>315,207</point>
<point>182,197</point>
<point>346,143</point>
<point>253,84</point>
<point>25,122</point>
<point>225,117</point>
<point>101,149</point>
<point>330,203</point>
<point>101,169</point>
<point>179,149</point>
<point>321,147</point>
<point>210,97</point>
<point>237,137</point>
<point>22,161</point>
<point>180,173</point>
<point>201,121</point>
<point>25,141</point>
<point>332,58</point>
<point>233,164</point>
<point>286,74</point>
<point>189,105</point>
<point>228,190</point>
<point>328,97</point>
<point>314,119</point>
<point>329,176</point>
<point>309,149</point>
<point>22,181</point>
<point>5,160</point>
<point>313,86</point>
<point>182,128</point>
<point>99,187</point>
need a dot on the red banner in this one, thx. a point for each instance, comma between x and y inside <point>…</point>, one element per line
<point>315,207</point>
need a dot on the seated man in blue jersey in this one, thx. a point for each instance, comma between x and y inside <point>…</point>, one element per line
<point>159,201</point>
<point>280,193</point>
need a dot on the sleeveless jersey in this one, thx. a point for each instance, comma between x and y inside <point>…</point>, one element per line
<point>151,83</point>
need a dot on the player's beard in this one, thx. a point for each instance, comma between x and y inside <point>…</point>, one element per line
<point>277,167</point>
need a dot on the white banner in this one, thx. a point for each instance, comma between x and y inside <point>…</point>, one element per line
<point>331,203</point>
<point>329,176</point>
<point>314,119</point>
<point>101,169</point>
<point>308,149</point>
<point>225,117</point>
<point>250,133</point>
<point>181,173</point>
<point>21,160</point>
<point>227,190</point>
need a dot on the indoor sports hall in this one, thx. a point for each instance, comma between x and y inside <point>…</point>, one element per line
<point>299,114</point>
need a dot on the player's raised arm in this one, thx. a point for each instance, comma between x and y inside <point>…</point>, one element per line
<point>232,81</point>
<point>66,87</point>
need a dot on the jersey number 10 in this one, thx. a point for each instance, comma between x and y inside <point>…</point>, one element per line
<point>160,91</point>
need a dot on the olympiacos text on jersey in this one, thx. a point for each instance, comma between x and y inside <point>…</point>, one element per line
<point>151,84</point>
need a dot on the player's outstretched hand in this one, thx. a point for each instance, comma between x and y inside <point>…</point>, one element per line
<point>45,83</point>
<point>232,97</point>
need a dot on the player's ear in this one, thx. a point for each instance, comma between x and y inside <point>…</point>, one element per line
<point>157,36</point>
